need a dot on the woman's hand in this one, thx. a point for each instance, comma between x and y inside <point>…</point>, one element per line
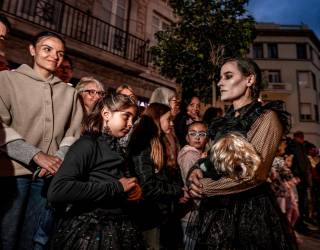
<point>195,187</point>
<point>128,183</point>
<point>49,164</point>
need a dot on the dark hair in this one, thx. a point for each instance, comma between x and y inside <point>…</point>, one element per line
<point>211,113</point>
<point>298,134</point>
<point>147,134</point>
<point>248,67</point>
<point>308,146</point>
<point>43,34</point>
<point>5,21</point>
<point>196,123</point>
<point>186,100</point>
<point>93,123</point>
<point>68,59</point>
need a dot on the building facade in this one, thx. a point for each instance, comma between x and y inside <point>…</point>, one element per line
<point>107,39</point>
<point>289,56</point>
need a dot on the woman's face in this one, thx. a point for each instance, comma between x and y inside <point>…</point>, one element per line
<point>193,108</point>
<point>48,55</point>
<point>233,85</point>
<point>119,122</point>
<point>165,123</point>
<point>91,94</point>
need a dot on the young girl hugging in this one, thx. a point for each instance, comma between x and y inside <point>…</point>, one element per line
<point>93,178</point>
<point>161,187</point>
<point>196,138</point>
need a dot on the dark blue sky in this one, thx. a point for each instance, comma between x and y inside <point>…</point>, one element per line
<point>287,12</point>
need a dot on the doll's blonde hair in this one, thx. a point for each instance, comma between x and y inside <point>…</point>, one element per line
<point>233,156</point>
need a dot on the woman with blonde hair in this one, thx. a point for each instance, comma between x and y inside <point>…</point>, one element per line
<point>90,90</point>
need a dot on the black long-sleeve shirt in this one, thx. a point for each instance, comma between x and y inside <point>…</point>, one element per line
<point>90,174</point>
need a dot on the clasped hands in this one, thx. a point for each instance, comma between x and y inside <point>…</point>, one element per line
<point>49,164</point>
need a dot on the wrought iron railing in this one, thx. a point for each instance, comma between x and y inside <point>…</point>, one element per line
<point>69,21</point>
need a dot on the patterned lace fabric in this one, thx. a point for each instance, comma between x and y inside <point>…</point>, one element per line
<point>240,222</point>
<point>263,127</point>
<point>243,214</point>
<point>97,230</point>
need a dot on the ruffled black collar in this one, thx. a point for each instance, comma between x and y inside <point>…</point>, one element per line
<point>247,116</point>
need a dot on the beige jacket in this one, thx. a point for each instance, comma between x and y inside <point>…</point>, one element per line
<point>45,113</point>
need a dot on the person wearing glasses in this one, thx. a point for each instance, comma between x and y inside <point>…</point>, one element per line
<point>197,139</point>
<point>90,90</point>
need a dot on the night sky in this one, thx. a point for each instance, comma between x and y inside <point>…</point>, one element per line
<point>287,12</point>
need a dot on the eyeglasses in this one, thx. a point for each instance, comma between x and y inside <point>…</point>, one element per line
<point>93,92</point>
<point>194,133</point>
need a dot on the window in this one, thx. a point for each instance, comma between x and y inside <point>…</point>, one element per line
<point>301,51</point>
<point>115,12</point>
<point>314,81</point>
<point>303,79</point>
<point>258,50</point>
<point>305,112</point>
<point>158,23</point>
<point>311,52</point>
<point>113,37</point>
<point>274,76</point>
<point>272,50</point>
<point>316,113</point>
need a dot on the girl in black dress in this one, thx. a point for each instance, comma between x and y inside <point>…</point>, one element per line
<point>240,212</point>
<point>93,178</point>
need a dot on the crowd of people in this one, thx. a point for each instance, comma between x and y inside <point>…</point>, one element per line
<point>87,168</point>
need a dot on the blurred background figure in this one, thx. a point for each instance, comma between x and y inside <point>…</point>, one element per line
<point>65,70</point>
<point>211,113</point>
<point>4,29</point>
<point>301,167</point>
<point>189,112</point>
<point>127,90</point>
<point>90,90</point>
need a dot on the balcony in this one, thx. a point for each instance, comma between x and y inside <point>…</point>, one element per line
<point>62,18</point>
<point>279,87</point>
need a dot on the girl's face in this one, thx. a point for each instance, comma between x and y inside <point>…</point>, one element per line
<point>197,136</point>
<point>193,108</point>
<point>48,55</point>
<point>233,85</point>
<point>119,122</point>
<point>165,123</point>
<point>90,95</point>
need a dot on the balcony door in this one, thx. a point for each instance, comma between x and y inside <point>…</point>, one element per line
<point>44,12</point>
<point>115,13</point>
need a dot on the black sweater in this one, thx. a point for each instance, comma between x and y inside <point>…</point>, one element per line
<point>89,174</point>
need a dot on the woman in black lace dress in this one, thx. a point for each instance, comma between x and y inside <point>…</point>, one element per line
<point>241,213</point>
<point>93,178</point>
